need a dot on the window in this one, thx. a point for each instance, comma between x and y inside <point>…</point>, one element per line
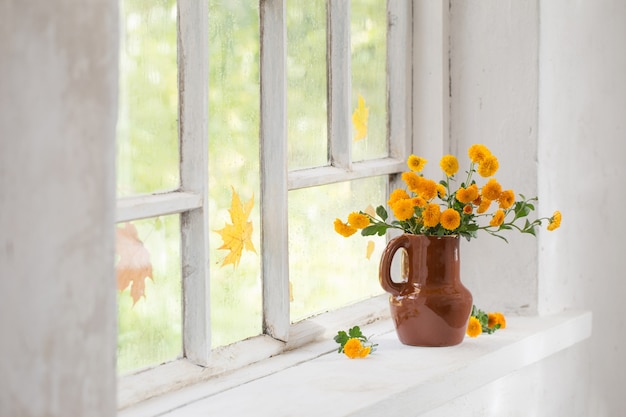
<point>234,113</point>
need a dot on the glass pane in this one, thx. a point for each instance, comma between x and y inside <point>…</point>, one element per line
<point>368,31</point>
<point>147,138</point>
<point>149,298</point>
<point>306,84</point>
<point>236,304</point>
<point>320,279</point>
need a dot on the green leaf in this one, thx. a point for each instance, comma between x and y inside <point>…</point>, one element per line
<point>355,332</point>
<point>342,337</point>
<point>382,213</point>
<point>370,230</point>
<point>530,231</point>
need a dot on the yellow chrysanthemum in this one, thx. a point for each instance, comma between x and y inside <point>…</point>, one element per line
<point>474,328</point>
<point>431,215</point>
<point>468,209</point>
<point>403,209</point>
<point>492,189</point>
<point>488,166</point>
<point>427,189</point>
<point>365,351</point>
<point>450,219</point>
<point>506,199</point>
<point>396,195</point>
<point>344,229</point>
<point>418,202</point>
<point>555,221</point>
<point>355,349</point>
<point>449,164</point>
<point>496,318</point>
<point>497,219</point>
<point>466,195</point>
<point>416,163</point>
<point>477,153</point>
<point>412,180</point>
<point>441,191</point>
<point>358,220</point>
<point>483,206</point>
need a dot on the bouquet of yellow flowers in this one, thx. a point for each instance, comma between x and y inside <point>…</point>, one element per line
<point>432,208</point>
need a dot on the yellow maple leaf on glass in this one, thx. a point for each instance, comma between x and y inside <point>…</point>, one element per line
<point>238,235</point>
<point>359,120</point>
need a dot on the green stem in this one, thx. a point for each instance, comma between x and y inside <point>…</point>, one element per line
<point>469,175</point>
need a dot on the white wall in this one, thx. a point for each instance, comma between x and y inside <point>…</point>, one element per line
<point>543,85</point>
<point>58,100</point>
<point>493,76</point>
<point>582,147</point>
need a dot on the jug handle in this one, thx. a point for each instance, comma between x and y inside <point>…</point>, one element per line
<point>394,288</point>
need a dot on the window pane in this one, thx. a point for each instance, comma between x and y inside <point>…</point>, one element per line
<point>149,302</point>
<point>147,139</point>
<point>236,305</point>
<point>327,270</point>
<point>368,32</point>
<point>306,84</point>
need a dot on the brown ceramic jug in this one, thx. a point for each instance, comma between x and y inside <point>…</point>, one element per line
<point>431,307</point>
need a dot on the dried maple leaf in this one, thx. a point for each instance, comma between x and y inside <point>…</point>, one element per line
<point>359,120</point>
<point>238,235</point>
<point>370,210</point>
<point>133,266</point>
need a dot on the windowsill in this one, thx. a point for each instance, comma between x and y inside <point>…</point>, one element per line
<point>314,380</point>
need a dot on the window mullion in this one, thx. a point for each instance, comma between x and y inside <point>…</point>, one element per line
<point>193,135</point>
<point>145,206</point>
<point>273,153</point>
<point>399,84</point>
<point>313,177</point>
<point>339,83</point>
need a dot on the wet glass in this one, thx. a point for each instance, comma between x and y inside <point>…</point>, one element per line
<point>368,33</point>
<point>148,269</point>
<point>147,130</point>
<point>236,303</point>
<point>306,84</point>
<point>327,270</point>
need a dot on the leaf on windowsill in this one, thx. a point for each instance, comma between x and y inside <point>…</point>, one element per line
<point>134,265</point>
<point>238,235</point>
<point>359,120</point>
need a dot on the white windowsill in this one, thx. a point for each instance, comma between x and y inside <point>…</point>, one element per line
<point>314,380</point>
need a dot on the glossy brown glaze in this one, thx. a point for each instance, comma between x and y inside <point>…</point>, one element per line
<point>432,307</point>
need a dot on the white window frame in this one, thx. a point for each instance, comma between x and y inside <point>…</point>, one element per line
<point>405,45</point>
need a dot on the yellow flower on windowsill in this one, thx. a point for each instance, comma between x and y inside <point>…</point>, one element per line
<point>496,319</point>
<point>481,322</point>
<point>355,349</point>
<point>425,207</point>
<point>474,328</point>
<point>354,344</point>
